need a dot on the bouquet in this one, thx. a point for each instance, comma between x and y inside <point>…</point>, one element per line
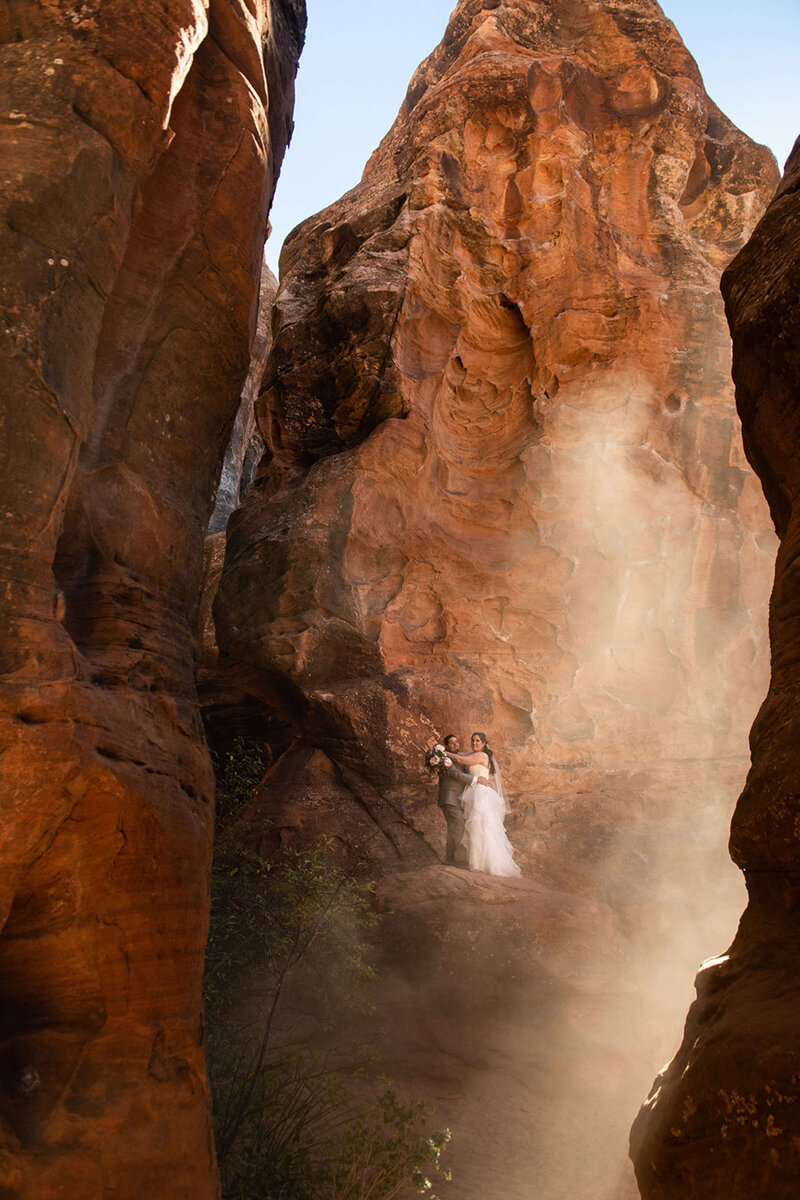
<point>436,758</point>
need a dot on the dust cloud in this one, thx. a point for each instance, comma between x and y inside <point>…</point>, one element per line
<point>534,1015</point>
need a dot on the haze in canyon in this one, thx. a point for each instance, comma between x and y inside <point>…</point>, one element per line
<point>504,490</point>
<point>483,469</point>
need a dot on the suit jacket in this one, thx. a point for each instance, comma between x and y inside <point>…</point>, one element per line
<point>452,781</point>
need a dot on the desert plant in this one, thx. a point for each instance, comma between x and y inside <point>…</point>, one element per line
<point>291,1122</point>
<point>384,1153</point>
<point>237,772</point>
<point>273,923</point>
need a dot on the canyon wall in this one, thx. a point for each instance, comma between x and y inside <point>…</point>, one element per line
<point>139,152</point>
<point>504,487</point>
<point>723,1120</point>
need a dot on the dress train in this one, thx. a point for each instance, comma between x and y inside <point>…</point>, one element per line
<point>488,847</point>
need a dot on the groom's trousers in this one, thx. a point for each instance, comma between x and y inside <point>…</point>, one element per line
<point>454,816</point>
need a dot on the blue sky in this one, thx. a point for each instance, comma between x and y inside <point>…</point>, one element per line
<point>360,54</point>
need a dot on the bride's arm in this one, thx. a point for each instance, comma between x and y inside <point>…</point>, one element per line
<point>477,757</point>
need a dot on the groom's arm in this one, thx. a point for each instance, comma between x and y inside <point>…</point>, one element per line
<point>453,772</point>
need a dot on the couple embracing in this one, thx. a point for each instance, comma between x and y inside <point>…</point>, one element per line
<point>474,806</point>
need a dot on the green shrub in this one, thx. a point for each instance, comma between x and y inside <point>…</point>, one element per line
<point>291,1122</point>
<point>237,772</point>
<point>384,1153</point>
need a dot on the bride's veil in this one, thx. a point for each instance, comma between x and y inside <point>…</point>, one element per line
<point>497,779</point>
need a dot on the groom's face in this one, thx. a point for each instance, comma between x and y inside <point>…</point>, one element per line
<point>452,745</point>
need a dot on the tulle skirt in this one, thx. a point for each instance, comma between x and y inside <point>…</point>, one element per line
<point>488,848</point>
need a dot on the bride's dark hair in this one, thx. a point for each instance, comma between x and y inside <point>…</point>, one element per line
<point>488,751</point>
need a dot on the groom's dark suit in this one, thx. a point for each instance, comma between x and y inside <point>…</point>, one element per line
<point>452,781</point>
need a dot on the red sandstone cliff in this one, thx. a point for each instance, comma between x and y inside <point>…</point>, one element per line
<point>138,151</point>
<point>723,1120</point>
<point>505,488</point>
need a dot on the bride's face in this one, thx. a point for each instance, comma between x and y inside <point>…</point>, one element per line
<point>477,744</point>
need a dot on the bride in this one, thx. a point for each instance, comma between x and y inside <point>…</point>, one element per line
<point>485,806</point>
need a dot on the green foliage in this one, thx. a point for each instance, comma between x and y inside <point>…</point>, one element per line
<point>383,1153</point>
<point>292,1123</point>
<point>238,772</point>
<point>284,917</point>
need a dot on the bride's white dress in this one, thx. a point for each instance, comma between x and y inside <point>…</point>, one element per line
<point>488,848</point>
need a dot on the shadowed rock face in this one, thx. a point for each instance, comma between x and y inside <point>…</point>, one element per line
<point>504,487</point>
<point>724,1119</point>
<point>139,151</point>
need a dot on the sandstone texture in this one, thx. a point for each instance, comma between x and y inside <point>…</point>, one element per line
<point>723,1120</point>
<point>504,489</point>
<point>139,146</point>
<point>504,486</point>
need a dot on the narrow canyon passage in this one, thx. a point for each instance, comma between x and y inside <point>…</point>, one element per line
<point>504,489</point>
<point>531,1014</point>
<point>494,480</point>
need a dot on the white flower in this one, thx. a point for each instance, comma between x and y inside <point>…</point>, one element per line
<point>439,749</point>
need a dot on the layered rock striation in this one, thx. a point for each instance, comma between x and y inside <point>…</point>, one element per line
<point>724,1118</point>
<point>504,488</point>
<point>139,150</point>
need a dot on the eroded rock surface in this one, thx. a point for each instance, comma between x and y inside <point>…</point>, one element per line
<point>505,490</point>
<point>724,1118</point>
<point>505,486</point>
<point>139,149</point>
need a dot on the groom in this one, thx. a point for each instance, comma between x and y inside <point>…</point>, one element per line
<point>452,781</point>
